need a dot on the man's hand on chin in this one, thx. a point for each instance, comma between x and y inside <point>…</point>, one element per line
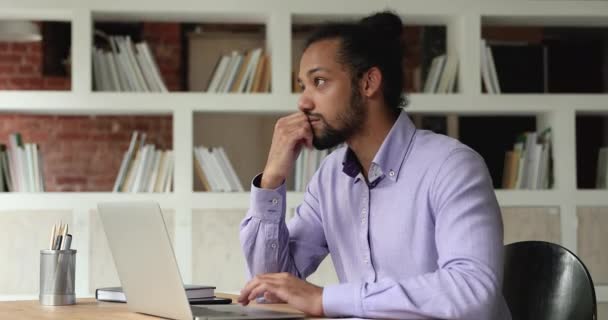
<point>284,287</point>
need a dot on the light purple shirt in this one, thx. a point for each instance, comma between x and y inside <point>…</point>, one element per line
<point>423,240</point>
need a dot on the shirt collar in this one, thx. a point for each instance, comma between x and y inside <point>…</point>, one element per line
<point>350,165</point>
<point>392,151</point>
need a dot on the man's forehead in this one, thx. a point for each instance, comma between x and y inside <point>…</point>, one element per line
<point>320,57</point>
<point>321,49</point>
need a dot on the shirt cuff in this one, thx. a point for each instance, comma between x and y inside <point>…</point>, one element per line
<point>342,300</point>
<point>267,204</point>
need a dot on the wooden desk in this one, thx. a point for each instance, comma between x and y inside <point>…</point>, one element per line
<point>90,309</point>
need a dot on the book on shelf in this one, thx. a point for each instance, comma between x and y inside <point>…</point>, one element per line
<point>529,164</point>
<point>215,170</point>
<point>601,180</point>
<point>513,67</point>
<point>240,72</point>
<point>116,294</point>
<point>21,166</point>
<point>489,76</point>
<point>144,168</point>
<point>437,71</point>
<point>442,75</point>
<point>432,78</point>
<point>5,178</point>
<point>125,66</point>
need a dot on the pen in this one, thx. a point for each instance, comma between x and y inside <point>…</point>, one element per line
<point>64,237</point>
<point>59,238</point>
<point>68,241</point>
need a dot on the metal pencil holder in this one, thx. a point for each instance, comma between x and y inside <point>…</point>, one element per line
<point>57,275</point>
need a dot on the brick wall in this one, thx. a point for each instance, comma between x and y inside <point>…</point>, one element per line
<point>83,153</point>
<point>21,68</point>
<point>164,41</point>
<point>21,63</point>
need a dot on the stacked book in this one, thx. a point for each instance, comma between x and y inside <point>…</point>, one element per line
<point>144,168</point>
<point>193,292</point>
<point>20,166</point>
<point>601,181</point>
<point>241,72</point>
<point>215,170</point>
<point>529,164</point>
<point>488,69</point>
<point>306,165</point>
<point>441,77</point>
<point>126,66</point>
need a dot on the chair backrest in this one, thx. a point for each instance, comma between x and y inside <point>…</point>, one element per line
<point>544,280</point>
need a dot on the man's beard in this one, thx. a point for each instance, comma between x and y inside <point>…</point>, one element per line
<point>351,120</point>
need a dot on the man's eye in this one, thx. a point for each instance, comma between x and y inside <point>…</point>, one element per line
<point>319,81</point>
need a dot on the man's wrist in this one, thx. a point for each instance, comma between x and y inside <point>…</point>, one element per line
<point>270,181</point>
<point>320,303</point>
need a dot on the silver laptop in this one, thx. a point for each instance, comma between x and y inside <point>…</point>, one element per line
<point>148,271</point>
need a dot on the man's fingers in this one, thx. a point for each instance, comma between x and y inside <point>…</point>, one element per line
<point>292,120</point>
<point>248,287</point>
<point>269,282</point>
<point>272,298</point>
<point>302,133</point>
<point>259,290</point>
<point>296,117</point>
<point>243,296</point>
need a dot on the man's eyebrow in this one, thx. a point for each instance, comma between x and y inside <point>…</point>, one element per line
<point>311,71</point>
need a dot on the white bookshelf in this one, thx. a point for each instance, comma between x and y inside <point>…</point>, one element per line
<point>59,102</point>
<point>463,20</point>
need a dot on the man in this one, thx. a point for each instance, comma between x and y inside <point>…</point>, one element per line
<point>409,217</point>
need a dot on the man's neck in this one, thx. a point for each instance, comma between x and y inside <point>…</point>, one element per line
<point>368,141</point>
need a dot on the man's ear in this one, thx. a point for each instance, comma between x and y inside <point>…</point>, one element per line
<point>371,82</point>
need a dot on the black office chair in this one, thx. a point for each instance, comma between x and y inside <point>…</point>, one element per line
<point>543,280</point>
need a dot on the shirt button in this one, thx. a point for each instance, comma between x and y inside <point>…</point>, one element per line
<point>391,173</point>
<point>365,260</point>
<point>274,245</point>
<point>275,201</point>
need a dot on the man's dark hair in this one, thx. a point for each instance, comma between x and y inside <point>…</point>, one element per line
<point>374,41</point>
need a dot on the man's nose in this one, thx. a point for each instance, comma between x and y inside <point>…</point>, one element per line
<point>305,103</point>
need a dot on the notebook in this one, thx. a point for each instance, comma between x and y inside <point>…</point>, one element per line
<point>115,294</point>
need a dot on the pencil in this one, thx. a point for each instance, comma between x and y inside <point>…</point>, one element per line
<point>53,233</point>
<point>64,236</point>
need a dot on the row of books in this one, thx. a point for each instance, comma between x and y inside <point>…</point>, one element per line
<point>241,72</point>
<point>215,171</point>
<point>20,166</point>
<point>441,77</point>
<point>144,168</point>
<point>601,181</point>
<point>126,66</point>
<point>529,164</point>
<point>488,69</point>
<point>306,165</point>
